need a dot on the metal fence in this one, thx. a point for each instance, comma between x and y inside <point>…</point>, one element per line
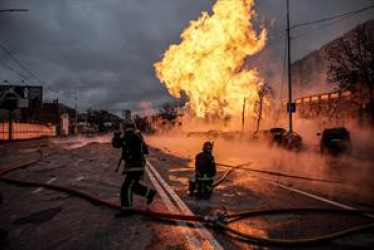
<point>23,131</point>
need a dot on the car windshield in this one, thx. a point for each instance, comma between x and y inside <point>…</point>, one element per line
<point>336,134</point>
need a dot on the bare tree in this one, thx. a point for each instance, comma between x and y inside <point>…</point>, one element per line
<point>351,66</point>
<point>168,111</point>
<point>265,91</point>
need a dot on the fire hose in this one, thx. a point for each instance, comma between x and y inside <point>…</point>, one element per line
<point>228,172</point>
<point>274,173</point>
<point>220,222</point>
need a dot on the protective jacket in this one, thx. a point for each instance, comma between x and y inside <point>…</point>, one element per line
<point>133,150</point>
<point>205,166</point>
<point>133,153</point>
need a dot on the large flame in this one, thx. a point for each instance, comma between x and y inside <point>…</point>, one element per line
<point>209,63</point>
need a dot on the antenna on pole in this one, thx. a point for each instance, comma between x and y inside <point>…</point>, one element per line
<point>290,104</point>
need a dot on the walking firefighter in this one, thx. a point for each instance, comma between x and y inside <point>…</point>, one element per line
<point>134,150</point>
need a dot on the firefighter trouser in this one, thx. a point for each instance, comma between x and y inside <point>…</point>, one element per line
<point>204,185</point>
<point>131,185</point>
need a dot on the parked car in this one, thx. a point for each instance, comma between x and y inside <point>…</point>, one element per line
<point>277,135</point>
<point>335,141</point>
<point>273,135</point>
<point>280,137</point>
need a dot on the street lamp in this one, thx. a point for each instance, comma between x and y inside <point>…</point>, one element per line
<point>13,10</point>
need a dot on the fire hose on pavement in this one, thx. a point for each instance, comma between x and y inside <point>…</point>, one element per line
<point>273,173</point>
<point>220,222</point>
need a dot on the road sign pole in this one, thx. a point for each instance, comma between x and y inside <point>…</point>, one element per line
<point>10,127</point>
<point>289,74</point>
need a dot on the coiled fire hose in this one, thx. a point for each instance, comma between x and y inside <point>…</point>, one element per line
<point>220,222</point>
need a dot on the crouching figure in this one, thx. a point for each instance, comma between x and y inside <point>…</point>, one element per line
<point>205,171</point>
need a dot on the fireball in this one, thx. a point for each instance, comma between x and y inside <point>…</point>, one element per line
<point>209,63</point>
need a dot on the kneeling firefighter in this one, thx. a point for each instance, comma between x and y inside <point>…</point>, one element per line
<point>134,150</point>
<point>205,171</point>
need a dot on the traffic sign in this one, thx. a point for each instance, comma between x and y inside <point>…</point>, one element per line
<point>20,96</point>
<point>291,108</point>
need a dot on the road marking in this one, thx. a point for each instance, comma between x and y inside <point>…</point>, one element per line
<point>316,197</point>
<point>79,178</point>
<point>78,162</point>
<point>181,170</point>
<point>37,190</point>
<point>193,242</point>
<point>202,231</point>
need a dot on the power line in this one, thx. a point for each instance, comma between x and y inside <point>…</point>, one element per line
<point>14,71</point>
<point>340,16</point>
<point>5,65</point>
<point>22,66</point>
<point>16,61</point>
<point>309,32</point>
<point>19,63</point>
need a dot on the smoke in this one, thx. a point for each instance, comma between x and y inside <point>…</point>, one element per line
<point>350,175</point>
<point>71,143</point>
<point>347,178</point>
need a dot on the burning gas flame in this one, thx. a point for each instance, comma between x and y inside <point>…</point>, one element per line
<point>209,63</point>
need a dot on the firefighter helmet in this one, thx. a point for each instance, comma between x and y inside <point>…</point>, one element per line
<point>208,146</point>
<point>129,124</point>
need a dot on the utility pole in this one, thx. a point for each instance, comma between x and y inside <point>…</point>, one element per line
<point>57,116</point>
<point>10,125</point>
<point>289,75</point>
<point>76,111</point>
<point>261,95</point>
<point>245,99</point>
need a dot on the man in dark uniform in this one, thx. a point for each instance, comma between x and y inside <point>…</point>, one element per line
<point>205,171</point>
<point>133,153</point>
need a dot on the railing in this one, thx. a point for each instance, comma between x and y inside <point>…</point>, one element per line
<point>321,97</point>
<point>23,131</point>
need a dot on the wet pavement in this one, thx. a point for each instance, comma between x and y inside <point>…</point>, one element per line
<point>38,218</point>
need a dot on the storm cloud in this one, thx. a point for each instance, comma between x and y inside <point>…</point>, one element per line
<point>106,49</point>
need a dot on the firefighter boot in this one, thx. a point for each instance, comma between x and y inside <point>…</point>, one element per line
<point>192,188</point>
<point>124,213</point>
<point>151,196</point>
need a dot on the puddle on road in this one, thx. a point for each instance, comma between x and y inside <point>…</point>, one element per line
<point>38,217</point>
<point>249,228</point>
<point>80,141</point>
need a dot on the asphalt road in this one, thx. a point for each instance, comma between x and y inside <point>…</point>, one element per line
<point>37,218</point>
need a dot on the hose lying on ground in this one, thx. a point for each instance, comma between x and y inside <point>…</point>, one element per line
<point>229,172</point>
<point>276,173</point>
<point>218,222</point>
<point>7,169</point>
<point>235,234</point>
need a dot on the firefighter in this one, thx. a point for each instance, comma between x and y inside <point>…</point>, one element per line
<point>134,150</point>
<point>205,171</point>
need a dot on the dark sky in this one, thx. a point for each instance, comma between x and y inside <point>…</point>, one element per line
<point>106,49</point>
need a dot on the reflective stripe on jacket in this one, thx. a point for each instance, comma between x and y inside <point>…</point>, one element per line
<point>204,178</point>
<point>134,169</point>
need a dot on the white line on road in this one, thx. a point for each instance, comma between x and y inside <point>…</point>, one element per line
<point>79,178</point>
<point>193,242</point>
<point>203,231</point>
<point>334,203</point>
<point>37,190</point>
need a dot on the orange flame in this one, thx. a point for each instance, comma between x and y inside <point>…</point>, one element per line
<point>208,64</point>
